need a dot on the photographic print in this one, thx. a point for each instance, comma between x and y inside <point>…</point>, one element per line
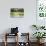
<point>16,12</point>
<point>41,8</point>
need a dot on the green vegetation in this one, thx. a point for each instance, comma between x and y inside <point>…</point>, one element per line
<point>17,10</point>
<point>17,13</point>
<point>38,27</point>
<point>39,35</point>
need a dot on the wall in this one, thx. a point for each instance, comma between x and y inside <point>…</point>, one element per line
<point>23,23</point>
